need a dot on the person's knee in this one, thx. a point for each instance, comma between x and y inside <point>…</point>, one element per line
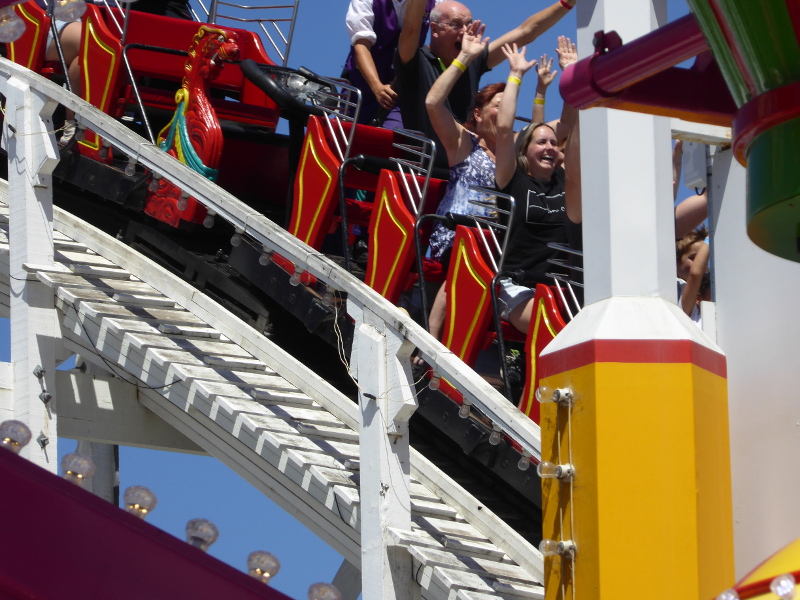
<point>70,38</point>
<point>520,316</point>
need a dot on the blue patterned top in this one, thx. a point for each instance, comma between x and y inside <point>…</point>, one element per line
<point>477,169</point>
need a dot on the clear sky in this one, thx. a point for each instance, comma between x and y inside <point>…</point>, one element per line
<point>190,486</point>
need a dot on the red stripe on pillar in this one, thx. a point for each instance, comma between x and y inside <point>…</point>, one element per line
<point>747,76</point>
<point>633,351</point>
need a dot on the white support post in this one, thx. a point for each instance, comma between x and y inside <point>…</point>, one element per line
<point>348,581</point>
<point>757,327</point>
<point>386,402</point>
<point>105,481</point>
<point>626,176</point>
<point>32,156</point>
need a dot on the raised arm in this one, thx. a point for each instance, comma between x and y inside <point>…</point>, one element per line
<point>505,152</point>
<point>695,279</point>
<point>452,134</point>
<point>529,30</point>
<point>567,54</point>
<point>408,42</point>
<point>546,75</point>
<point>677,166</point>
<point>572,165</point>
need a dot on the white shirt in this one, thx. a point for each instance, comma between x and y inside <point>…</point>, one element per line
<point>360,18</point>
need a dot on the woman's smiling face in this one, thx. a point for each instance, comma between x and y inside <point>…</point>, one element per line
<point>542,153</point>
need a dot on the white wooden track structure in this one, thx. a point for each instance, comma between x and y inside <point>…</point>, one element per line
<point>171,369</point>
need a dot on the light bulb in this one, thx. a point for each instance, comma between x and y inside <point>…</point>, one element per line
<point>323,591</point>
<point>728,595</point>
<point>208,222</point>
<point>263,565</point>
<point>328,298</point>
<point>524,462</point>
<point>201,533</point>
<point>294,280</point>
<point>554,548</point>
<point>463,410</point>
<point>79,133</point>
<point>183,203</point>
<point>783,587</point>
<point>130,168</point>
<point>69,10</point>
<point>139,500</point>
<point>545,394</point>
<point>236,240</point>
<point>154,183</point>
<point>77,467</point>
<point>11,26</point>
<point>548,470</point>
<point>434,383</point>
<point>14,435</point>
<point>265,258</point>
<point>496,437</point>
<point>103,152</point>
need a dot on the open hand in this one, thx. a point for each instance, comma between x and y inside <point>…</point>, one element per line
<point>516,59</point>
<point>546,72</point>
<point>567,52</point>
<point>473,44</point>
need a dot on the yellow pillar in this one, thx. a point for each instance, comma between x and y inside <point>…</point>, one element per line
<point>649,507</point>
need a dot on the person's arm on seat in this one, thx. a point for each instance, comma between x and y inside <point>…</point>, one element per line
<point>529,30</point>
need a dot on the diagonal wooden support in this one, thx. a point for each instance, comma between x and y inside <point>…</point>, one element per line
<point>32,156</point>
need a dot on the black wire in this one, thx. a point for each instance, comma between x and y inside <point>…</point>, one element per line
<point>110,366</point>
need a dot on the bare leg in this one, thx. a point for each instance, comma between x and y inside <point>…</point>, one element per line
<point>436,318</point>
<point>520,317</point>
<point>70,38</point>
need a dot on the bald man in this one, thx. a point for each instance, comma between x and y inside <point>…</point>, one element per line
<point>417,68</point>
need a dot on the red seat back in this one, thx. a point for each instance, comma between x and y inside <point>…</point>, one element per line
<point>546,322</point>
<point>391,239</point>
<point>29,50</point>
<point>469,300</point>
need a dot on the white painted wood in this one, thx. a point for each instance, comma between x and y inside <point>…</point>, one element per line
<point>6,391</point>
<point>292,450</point>
<point>32,157</point>
<point>105,410</point>
<point>757,327</point>
<point>264,232</point>
<point>348,581</point>
<point>385,404</point>
<point>700,132</point>
<point>105,480</point>
<point>628,217</point>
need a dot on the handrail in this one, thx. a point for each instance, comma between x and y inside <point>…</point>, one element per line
<point>282,45</point>
<point>263,231</point>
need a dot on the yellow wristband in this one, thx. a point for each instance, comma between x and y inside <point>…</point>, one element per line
<point>516,80</point>
<point>459,65</point>
<point>539,101</point>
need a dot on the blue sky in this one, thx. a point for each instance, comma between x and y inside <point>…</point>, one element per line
<point>190,486</point>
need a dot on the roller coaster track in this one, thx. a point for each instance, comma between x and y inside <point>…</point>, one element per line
<point>243,400</point>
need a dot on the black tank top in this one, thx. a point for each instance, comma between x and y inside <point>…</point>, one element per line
<point>539,218</point>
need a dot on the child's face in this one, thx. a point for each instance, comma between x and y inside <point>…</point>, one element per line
<point>687,258</point>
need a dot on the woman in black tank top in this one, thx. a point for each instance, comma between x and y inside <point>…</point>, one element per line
<point>547,199</point>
